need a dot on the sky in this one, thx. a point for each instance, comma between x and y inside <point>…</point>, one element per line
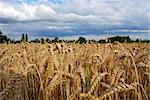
<point>73,18</point>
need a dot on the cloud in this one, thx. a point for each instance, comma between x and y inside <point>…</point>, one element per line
<point>72,17</point>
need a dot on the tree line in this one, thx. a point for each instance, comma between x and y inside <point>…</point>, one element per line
<point>81,40</point>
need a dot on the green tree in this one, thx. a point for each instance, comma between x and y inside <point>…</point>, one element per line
<point>3,38</point>
<point>1,33</point>
<point>36,41</point>
<point>121,39</point>
<point>42,40</point>
<point>26,37</point>
<point>56,39</point>
<point>22,38</point>
<point>82,40</point>
<point>47,40</point>
<point>137,40</point>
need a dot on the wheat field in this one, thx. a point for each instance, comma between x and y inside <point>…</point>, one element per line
<point>71,71</point>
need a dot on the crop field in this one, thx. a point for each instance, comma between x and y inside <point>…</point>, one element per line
<point>72,71</point>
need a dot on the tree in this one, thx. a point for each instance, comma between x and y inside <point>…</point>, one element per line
<point>3,38</point>
<point>42,40</point>
<point>137,40</point>
<point>82,40</point>
<point>26,37</point>
<point>101,41</point>
<point>36,41</point>
<point>1,33</point>
<point>56,39</point>
<point>47,40</point>
<point>23,38</point>
<point>121,39</point>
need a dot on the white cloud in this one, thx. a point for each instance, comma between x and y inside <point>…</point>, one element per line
<point>74,16</point>
<point>25,12</point>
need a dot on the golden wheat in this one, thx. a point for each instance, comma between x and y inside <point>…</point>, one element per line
<point>72,71</point>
